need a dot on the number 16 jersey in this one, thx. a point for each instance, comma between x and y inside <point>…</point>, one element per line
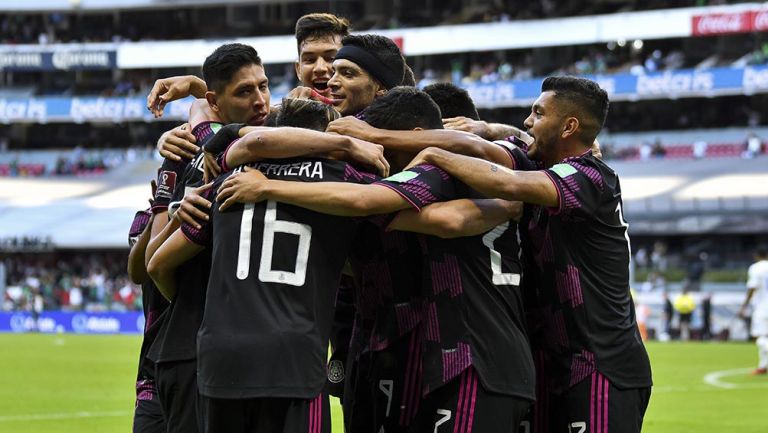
<point>271,292</point>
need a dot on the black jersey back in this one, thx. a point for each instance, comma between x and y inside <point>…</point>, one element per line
<point>387,268</point>
<point>579,257</point>
<point>274,275</point>
<point>176,340</point>
<point>473,311</point>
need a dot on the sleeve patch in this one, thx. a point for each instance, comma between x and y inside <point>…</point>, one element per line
<point>563,170</point>
<point>402,177</point>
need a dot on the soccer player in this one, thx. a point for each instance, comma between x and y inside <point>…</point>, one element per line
<point>239,93</point>
<point>318,38</point>
<point>275,269</point>
<point>476,358</point>
<point>757,289</point>
<point>148,414</point>
<point>365,67</point>
<point>577,245</point>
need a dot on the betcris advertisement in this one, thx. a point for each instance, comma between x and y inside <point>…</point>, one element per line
<point>131,322</point>
<point>625,86</point>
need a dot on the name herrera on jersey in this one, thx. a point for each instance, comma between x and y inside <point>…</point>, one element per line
<point>308,169</point>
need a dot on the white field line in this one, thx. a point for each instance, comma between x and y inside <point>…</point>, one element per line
<point>63,415</point>
<point>715,379</point>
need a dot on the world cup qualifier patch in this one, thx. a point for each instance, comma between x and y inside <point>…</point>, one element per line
<point>166,182</point>
<point>335,371</point>
<point>563,170</point>
<point>402,177</point>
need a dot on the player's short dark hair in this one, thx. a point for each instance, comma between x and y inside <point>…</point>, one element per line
<point>225,61</point>
<point>306,113</point>
<point>585,99</point>
<point>761,251</point>
<point>320,25</point>
<point>452,100</point>
<point>409,79</point>
<point>403,108</point>
<point>383,49</point>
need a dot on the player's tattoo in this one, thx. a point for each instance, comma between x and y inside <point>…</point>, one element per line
<point>494,168</point>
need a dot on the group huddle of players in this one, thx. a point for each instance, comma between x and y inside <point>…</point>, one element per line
<point>469,276</point>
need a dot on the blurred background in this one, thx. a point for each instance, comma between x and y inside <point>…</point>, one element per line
<point>687,132</point>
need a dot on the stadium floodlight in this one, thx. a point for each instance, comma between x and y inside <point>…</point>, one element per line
<point>638,44</point>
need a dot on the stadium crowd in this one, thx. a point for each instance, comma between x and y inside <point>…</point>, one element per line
<point>70,282</point>
<point>207,22</point>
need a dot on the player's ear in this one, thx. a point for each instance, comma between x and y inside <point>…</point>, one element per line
<point>210,96</point>
<point>570,126</point>
<point>296,67</point>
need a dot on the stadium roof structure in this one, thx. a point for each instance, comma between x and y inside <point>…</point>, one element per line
<point>722,195</point>
<point>718,195</point>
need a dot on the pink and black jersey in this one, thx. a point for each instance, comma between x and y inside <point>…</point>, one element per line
<point>578,257</point>
<point>176,340</point>
<point>472,314</point>
<point>270,300</point>
<point>387,269</point>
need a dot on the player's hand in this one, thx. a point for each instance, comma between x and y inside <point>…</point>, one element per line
<point>477,127</point>
<point>302,92</point>
<point>243,187</point>
<point>177,143</point>
<point>425,157</point>
<point>190,208</point>
<point>369,154</point>
<point>153,188</point>
<point>211,168</point>
<point>223,138</point>
<point>170,89</point>
<point>352,127</point>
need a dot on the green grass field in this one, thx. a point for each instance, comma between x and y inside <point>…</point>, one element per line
<point>74,383</point>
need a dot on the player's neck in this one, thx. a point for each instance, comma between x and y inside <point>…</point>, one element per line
<point>564,151</point>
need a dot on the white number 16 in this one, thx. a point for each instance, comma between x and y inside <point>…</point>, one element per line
<point>271,226</point>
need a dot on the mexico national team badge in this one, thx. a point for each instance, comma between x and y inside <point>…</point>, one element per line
<point>335,371</point>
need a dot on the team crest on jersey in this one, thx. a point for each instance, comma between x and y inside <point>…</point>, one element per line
<point>335,371</point>
<point>402,177</point>
<point>166,182</point>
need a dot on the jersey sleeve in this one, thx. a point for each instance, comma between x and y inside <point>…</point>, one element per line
<point>202,236</point>
<point>518,151</point>
<point>579,187</point>
<point>422,185</point>
<point>140,221</point>
<point>168,180</point>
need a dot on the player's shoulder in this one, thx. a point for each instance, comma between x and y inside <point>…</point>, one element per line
<point>760,267</point>
<point>596,170</point>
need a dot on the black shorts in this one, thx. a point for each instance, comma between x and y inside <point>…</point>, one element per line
<point>592,406</point>
<point>148,415</point>
<point>177,388</point>
<point>384,387</point>
<point>266,415</point>
<point>465,406</point>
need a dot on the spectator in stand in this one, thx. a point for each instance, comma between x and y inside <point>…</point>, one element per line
<point>658,150</point>
<point>753,145</point>
<point>700,149</point>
